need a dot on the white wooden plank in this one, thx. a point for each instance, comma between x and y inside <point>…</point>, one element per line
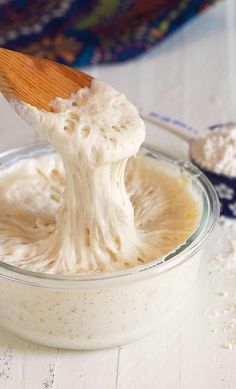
<point>206,363</point>
<point>11,361</point>
<point>87,370</point>
<point>161,86</point>
<point>186,353</point>
<point>161,77</point>
<point>125,77</point>
<point>40,367</point>
<point>206,87</point>
<point>153,362</point>
<point>24,365</point>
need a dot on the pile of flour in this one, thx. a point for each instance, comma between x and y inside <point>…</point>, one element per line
<point>216,151</point>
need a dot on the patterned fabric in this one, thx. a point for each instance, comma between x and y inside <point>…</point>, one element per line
<point>226,190</point>
<point>81,32</point>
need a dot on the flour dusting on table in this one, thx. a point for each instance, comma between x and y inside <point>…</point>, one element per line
<point>223,260</point>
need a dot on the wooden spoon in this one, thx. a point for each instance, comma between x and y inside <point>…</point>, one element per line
<point>37,81</point>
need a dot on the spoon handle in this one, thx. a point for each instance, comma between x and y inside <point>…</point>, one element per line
<point>182,130</point>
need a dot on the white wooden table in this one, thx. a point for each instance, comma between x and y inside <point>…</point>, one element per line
<point>191,76</point>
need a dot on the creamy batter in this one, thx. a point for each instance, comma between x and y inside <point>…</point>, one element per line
<point>80,215</point>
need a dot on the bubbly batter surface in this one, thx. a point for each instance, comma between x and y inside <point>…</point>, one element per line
<point>77,214</point>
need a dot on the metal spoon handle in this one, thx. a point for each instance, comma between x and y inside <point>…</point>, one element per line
<point>182,130</point>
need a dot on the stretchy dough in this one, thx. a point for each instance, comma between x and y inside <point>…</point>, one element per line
<point>79,216</point>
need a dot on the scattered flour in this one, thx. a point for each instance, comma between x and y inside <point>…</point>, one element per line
<point>217,151</point>
<point>223,259</point>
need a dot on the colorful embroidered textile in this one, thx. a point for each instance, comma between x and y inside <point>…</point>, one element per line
<point>81,32</point>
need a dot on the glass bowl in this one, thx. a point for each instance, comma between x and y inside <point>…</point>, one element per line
<point>104,309</point>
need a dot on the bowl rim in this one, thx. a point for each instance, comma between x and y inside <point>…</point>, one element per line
<point>182,253</point>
